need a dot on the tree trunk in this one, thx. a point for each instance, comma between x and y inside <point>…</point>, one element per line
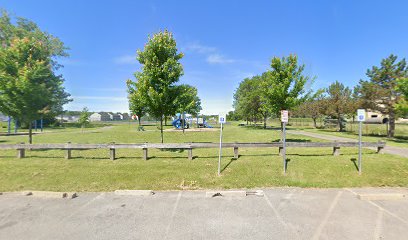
<point>352,124</point>
<point>139,121</point>
<point>165,121</point>
<point>391,130</point>
<point>161,129</point>
<point>30,133</point>
<point>183,122</point>
<point>265,122</point>
<point>339,123</point>
<point>314,123</point>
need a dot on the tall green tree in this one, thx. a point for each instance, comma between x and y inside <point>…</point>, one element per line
<point>313,107</point>
<point>339,102</point>
<point>402,105</point>
<point>187,100</point>
<point>137,102</point>
<point>248,100</point>
<point>381,91</point>
<point>11,28</point>
<point>29,88</point>
<point>29,85</point>
<point>84,118</point>
<point>285,84</point>
<point>160,71</point>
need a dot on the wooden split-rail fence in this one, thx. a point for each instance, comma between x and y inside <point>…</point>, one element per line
<point>69,147</point>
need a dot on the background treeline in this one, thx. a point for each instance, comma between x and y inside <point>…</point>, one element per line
<point>285,86</point>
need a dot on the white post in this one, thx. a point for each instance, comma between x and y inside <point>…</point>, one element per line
<point>220,152</point>
<point>359,147</point>
<point>284,120</point>
<point>361,118</point>
<point>284,148</point>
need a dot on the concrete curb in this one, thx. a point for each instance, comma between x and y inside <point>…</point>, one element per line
<point>43,194</point>
<point>381,196</point>
<point>47,194</point>
<point>134,192</point>
<point>233,193</point>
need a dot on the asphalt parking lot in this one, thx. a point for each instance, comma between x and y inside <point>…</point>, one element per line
<point>281,213</point>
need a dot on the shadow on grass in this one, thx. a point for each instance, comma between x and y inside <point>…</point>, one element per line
<point>229,163</point>
<point>293,140</point>
<point>287,163</point>
<point>325,154</point>
<point>260,127</point>
<point>173,150</point>
<point>355,163</point>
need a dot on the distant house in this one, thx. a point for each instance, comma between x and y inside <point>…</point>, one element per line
<point>125,116</point>
<point>101,117</point>
<point>108,116</point>
<point>116,116</point>
<point>70,118</point>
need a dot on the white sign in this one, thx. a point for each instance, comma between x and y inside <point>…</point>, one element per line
<point>222,118</point>
<point>361,114</point>
<point>284,116</point>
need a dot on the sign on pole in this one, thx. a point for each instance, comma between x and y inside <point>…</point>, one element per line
<point>284,116</point>
<point>361,115</point>
<point>222,118</point>
<point>284,120</point>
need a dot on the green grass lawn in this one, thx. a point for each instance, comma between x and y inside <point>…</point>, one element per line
<point>91,170</point>
<point>399,141</point>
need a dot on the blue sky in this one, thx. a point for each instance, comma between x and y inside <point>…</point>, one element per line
<point>223,41</point>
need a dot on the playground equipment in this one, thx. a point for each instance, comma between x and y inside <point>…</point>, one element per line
<point>202,123</point>
<point>178,122</point>
<point>188,119</point>
<point>17,123</point>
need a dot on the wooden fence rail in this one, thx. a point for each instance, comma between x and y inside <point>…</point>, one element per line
<point>68,147</point>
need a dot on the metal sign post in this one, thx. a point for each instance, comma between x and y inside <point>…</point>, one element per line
<point>221,119</point>
<point>284,120</point>
<point>361,118</point>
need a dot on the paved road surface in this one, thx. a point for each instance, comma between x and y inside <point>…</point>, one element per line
<point>400,151</point>
<point>282,213</point>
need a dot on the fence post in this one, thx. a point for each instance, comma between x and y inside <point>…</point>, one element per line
<point>236,152</point>
<point>145,156</point>
<point>380,148</point>
<point>280,151</point>
<point>21,152</point>
<point>112,151</point>
<point>336,149</point>
<point>68,152</point>
<point>190,154</point>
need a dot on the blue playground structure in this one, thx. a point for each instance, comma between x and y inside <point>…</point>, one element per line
<point>187,119</point>
<point>202,123</point>
<point>178,122</point>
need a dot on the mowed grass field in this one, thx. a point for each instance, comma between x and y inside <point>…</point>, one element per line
<point>91,170</point>
<point>371,132</point>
